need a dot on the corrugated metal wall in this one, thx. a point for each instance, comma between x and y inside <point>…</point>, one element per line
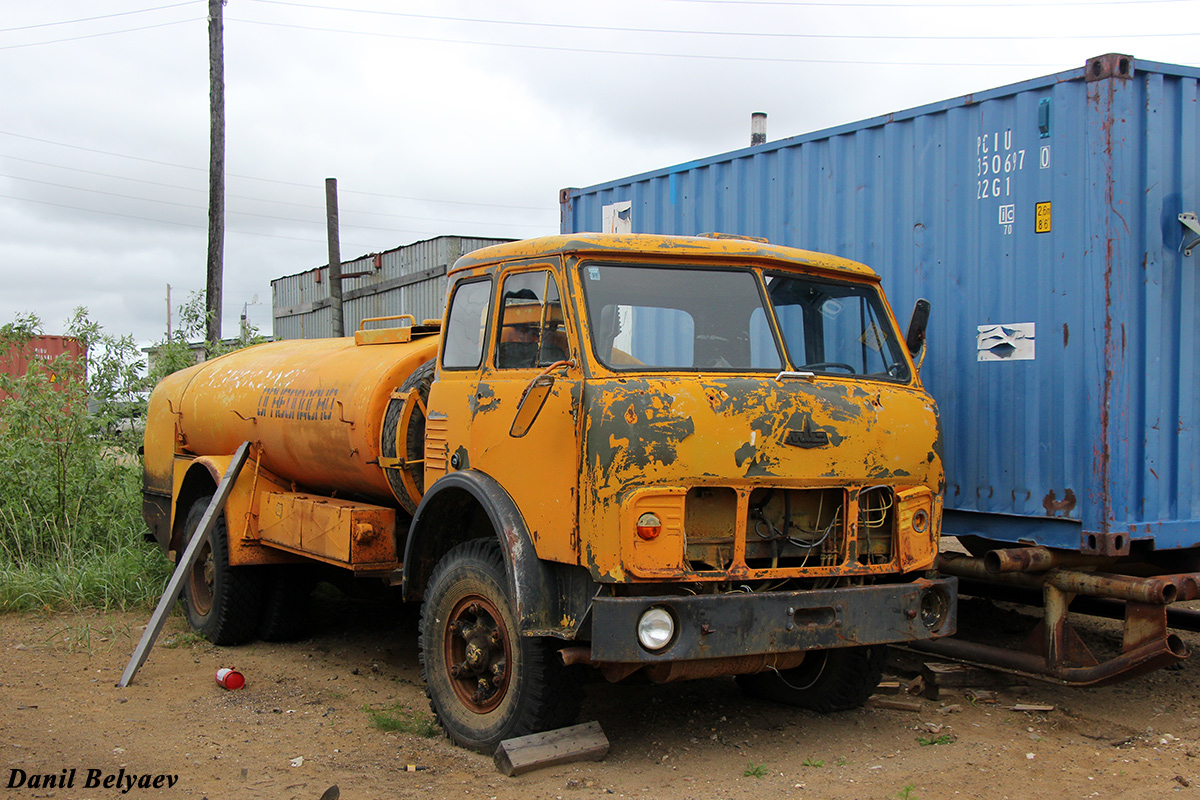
<point>1096,433</point>
<point>407,280</point>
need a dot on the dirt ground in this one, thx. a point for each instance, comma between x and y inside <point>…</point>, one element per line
<point>300,726</point>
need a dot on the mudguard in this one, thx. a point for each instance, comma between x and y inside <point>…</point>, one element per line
<point>549,599</point>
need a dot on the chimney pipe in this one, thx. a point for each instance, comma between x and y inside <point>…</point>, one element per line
<point>758,128</point>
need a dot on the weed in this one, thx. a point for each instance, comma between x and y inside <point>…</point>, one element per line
<point>182,639</point>
<point>842,761</point>
<point>756,770</point>
<point>929,741</point>
<point>402,719</point>
<point>813,762</point>
<point>906,793</point>
<point>71,532</point>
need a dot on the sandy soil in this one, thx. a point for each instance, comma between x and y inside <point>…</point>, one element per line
<point>300,726</point>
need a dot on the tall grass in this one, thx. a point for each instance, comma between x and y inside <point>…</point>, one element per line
<point>71,533</point>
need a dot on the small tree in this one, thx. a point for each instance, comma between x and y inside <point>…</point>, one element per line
<point>71,471</point>
<point>178,350</point>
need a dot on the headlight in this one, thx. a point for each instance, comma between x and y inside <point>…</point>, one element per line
<point>656,629</point>
<point>935,605</point>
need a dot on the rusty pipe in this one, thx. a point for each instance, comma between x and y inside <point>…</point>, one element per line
<point>671,671</point>
<point>1146,658</point>
<point>1177,618</point>
<point>1037,559</point>
<point>1096,584</point>
<point>1187,584</point>
<point>576,654</point>
<point>1120,587</point>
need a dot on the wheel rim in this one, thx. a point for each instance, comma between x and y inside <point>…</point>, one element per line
<point>478,653</point>
<point>200,587</point>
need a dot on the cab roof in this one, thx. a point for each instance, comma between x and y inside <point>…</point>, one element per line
<point>719,247</point>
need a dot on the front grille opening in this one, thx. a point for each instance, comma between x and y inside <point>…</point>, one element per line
<point>709,522</point>
<point>876,513</point>
<point>796,528</point>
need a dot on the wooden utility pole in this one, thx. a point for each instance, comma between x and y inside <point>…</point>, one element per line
<point>335,255</point>
<point>216,173</point>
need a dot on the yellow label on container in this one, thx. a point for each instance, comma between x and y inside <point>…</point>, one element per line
<point>1042,218</point>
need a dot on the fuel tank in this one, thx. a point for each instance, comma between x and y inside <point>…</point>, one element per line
<point>314,407</point>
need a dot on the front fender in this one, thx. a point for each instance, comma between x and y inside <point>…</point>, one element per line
<point>549,599</point>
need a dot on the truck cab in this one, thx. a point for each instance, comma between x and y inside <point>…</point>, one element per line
<point>719,452</point>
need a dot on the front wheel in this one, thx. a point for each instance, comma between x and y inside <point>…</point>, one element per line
<point>223,603</point>
<point>826,681</point>
<point>487,683</point>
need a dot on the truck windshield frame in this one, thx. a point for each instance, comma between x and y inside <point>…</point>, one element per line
<point>836,327</point>
<point>723,318</point>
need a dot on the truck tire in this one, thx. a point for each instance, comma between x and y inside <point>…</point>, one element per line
<point>286,589</point>
<point>827,680</point>
<point>221,602</point>
<point>485,682</point>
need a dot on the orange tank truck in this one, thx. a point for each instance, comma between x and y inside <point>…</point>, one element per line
<point>674,456</point>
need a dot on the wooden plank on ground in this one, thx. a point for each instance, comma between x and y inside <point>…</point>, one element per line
<point>585,742</point>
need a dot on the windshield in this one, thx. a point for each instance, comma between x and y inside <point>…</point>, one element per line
<point>716,319</point>
<point>838,328</point>
<point>670,318</point>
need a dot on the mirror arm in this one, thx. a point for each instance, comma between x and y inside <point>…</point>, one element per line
<point>518,429</point>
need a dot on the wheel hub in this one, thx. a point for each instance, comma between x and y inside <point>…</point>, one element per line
<point>201,587</point>
<point>477,650</point>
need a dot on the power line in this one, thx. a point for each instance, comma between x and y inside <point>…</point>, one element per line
<point>162,221</point>
<point>270,216</point>
<point>93,19</point>
<point>231,195</point>
<point>242,177</point>
<point>98,35</point>
<point>596,51</point>
<point>757,34</point>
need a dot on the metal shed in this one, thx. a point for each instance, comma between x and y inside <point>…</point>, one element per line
<point>406,280</point>
<point>1052,223</point>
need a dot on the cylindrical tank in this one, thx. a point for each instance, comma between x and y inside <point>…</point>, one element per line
<point>315,407</point>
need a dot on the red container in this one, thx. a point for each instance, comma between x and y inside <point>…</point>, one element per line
<point>230,679</point>
<point>43,348</point>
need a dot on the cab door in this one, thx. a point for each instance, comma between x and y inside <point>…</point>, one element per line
<point>538,466</point>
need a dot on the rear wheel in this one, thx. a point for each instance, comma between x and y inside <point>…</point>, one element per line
<point>286,589</point>
<point>487,683</point>
<point>826,681</point>
<point>221,602</point>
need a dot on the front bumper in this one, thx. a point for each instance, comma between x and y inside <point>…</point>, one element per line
<point>736,624</point>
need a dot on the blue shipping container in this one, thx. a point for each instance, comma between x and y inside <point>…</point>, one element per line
<point>1048,223</point>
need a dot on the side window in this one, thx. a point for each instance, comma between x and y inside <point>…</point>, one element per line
<point>466,325</point>
<point>532,333</point>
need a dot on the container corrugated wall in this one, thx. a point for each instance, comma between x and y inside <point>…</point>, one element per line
<point>406,280</point>
<point>1042,221</point>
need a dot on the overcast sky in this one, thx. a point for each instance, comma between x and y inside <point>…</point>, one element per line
<point>437,117</point>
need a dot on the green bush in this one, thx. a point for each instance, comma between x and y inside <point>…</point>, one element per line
<point>71,532</point>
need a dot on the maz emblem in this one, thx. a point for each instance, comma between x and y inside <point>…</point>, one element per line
<point>807,438</point>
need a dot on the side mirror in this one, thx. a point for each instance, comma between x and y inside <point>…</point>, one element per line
<point>915,338</point>
<point>532,400</point>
